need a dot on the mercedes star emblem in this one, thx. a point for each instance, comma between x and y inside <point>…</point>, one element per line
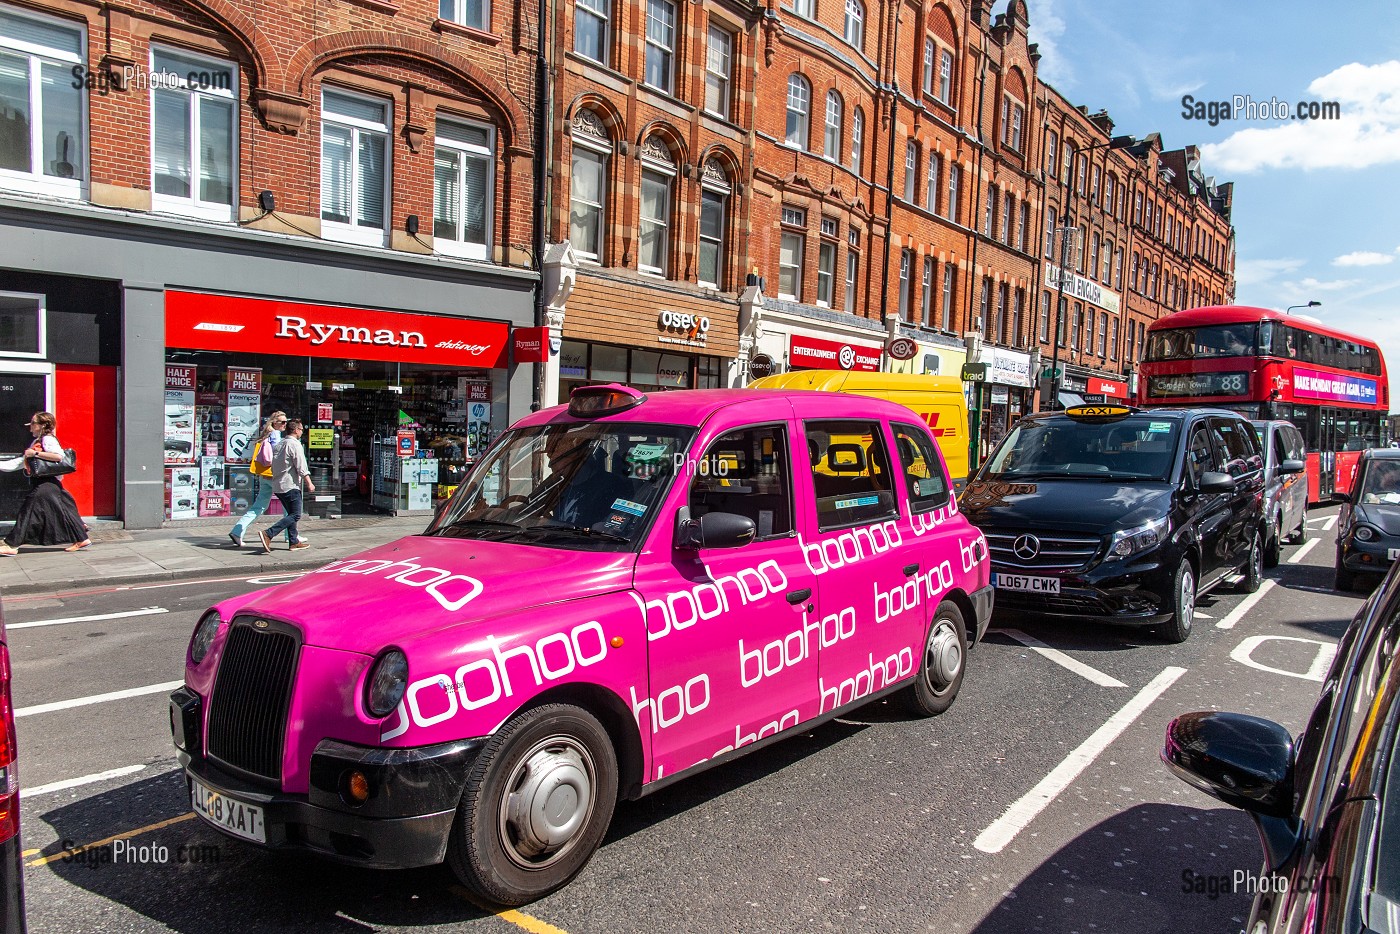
<point>1026,547</point>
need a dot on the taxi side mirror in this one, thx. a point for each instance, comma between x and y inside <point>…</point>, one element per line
<point>1340,497</point>
<point>1291,466</point>
<point>713,530</point>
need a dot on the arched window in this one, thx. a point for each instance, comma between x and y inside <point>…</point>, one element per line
<point>855,24</point>
<point>834,111</point>
<point>588,182</point>
<point>715,189</point>
<point>799,106</point>
<point>654,235</point>
<point>857,140</point>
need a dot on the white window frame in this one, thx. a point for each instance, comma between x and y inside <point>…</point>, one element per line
<point>36,181</point>
<point>457,15</point>
<point>798,112</point>
<point>906,259</point>
<point>589,8</point>
<point>804,8</point>
<point>945,76</point>
<point>656,46</point>
<point>831,127</point>
<point>354,232</point>
<point>954,183</point>
<point>930,48</point>
<point>718,75</point>
<point>1018,113</point>
<point>666,172</point>
<point>1052,144</point>
<point>932,181</point>
<point>800,240</point>
<point>724,192</point>
<point>1023,219</point>
<point>945,314</point>
<point>911,169</point>
<point>193,206</point>
<point>459,247</point>
<point>41,334</point>
<point>604,154</point>
<point>857,140</point>
<point>826,272</point>
<point>855,25</point>
<point>852,273</point>
<point>927,316</point>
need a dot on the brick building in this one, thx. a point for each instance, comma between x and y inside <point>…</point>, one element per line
<point>217,208</point>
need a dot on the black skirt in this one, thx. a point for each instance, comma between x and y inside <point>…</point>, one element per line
<point>48,516</point>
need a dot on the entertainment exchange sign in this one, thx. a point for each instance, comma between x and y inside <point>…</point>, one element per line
<point>1081,288</point>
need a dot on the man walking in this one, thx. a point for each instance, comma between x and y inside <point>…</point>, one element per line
<point>289,475</point>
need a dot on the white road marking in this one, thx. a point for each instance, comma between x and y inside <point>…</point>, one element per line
<point>1247,604</point>
<point>1303,549</point>
<point>1322,660</point>
<point>148,611</point>
<point>1328,523</point>
<point>1060,658</point>
<point>1005,828</point>
<point>27,793</point>
<point>97,699</point>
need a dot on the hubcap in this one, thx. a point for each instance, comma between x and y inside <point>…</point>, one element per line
<point>943,658</point>
<point>1187,600</point>
<point>1256,559</point>
<point>548,802</point>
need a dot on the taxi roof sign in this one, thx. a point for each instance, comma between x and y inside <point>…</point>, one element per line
<point>607,399</point>
<point>1099,411</point>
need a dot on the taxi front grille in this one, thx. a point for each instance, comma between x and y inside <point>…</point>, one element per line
<point>1054,551</point>
<point>251,697</point>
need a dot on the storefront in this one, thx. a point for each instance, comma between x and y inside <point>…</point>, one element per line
<point>1004,397</point>
<point>396,405</point>
<point>1081,386</point>
<point>795,339</point>
<point>582,363</point>
<point>932,359</point>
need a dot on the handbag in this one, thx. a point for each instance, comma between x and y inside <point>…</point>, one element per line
<point>38,467</point>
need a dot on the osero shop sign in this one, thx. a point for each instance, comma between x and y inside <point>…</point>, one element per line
<point>813,353</point>
<point>266,326</point>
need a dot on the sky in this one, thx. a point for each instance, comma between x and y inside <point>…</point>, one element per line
<point>1316,203</point>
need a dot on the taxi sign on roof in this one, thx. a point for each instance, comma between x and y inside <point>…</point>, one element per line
<point>1098,411</point>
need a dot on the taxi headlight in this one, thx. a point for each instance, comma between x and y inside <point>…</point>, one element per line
<point>388,678</point>
<point>1364,533</point>
<point>203,637</point>
<point>1128,542</point>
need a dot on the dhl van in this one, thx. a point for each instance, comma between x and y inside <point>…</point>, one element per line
<point>937,400</point>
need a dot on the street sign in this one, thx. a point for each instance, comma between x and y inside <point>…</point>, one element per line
<point>902,348</point>
<point>1052,372</point>
<point>974,372</point>
<point>760,366</point>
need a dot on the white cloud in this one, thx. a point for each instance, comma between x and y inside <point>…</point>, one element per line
<point>1317,285</point>
<point>1364,258</point>
<point>1367,134</point>
<point>1256,271</point>
<point>1046,27</point>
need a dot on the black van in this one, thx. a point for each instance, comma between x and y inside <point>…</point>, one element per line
<point>1111,514</point>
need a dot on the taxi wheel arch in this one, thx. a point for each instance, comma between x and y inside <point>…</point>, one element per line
<point>1183,606</point>
<point>1274,546</point>
<point>612,713</point>
<point>1253,569</point>
<point>945,645</point>
<point>536,805</point>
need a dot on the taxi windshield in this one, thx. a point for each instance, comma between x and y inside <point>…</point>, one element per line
<point>1381,482</point>
<point>572,485</point>
<point>1138,447</point>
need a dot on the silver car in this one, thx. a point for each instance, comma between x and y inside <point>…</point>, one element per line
<point>1285,486</point>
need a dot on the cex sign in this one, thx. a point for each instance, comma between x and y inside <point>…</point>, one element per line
<point>256,325</point>
<point>813,353</point>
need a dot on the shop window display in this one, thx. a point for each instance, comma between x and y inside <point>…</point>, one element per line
<point>355,411</point>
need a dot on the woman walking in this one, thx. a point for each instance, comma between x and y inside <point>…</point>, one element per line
<point>261,468</point>
<point>49,514</point>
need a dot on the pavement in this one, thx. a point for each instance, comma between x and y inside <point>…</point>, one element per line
<point>192,549</point>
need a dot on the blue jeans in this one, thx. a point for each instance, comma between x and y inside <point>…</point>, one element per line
<point>291,501</point>
<point>260,504</point>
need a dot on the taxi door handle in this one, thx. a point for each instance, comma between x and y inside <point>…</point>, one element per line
<point>910,570</point>
<point>797,596</point>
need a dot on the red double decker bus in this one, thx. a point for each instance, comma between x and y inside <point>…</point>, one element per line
<point>1267,364</point>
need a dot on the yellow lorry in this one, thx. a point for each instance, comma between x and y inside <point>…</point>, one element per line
<point>937,400</point>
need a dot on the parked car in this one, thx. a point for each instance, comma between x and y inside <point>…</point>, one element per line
<point>1368,525</point>
<point>1285,486</point>
<point>11,858</point>
<point>1327,804</point>
<point>623,592</point>
<point>1110,514</point>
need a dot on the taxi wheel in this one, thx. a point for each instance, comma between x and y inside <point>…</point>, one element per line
<point>1300,534</point>
<point>1273,550</point>
<point>537,803</point>
<point>944,660</point>
<point>1183,606</point>
<point>1253,566</point>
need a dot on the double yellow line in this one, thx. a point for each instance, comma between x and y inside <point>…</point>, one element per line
<point>519,919</point>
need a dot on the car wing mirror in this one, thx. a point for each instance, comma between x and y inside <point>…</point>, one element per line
<point>1292,466</point>
<point>713,530</point>
<point>1216,482</point>
<point>1341,497</point>
<point>1245,761</point>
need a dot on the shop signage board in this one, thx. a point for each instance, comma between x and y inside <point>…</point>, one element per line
<point>1007,367</point>
<point>266,326</point>
<point>974,372</point>
<point>1107,387</point>
<point>407,443</point>
<point>760,366</point>
<point>1077,286</point>
<point>325,412</point>
<point>903,348</point>
<point>241,417</point>
<point>531,345</point>
<point>475,390</point>
<point>320,439</point>
<point>179,414</point>
<point>814,353</point>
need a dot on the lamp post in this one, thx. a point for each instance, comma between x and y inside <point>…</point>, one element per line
<point>1067,236</point>
<point>1289,309</point>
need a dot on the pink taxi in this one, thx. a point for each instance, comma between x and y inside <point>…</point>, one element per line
<point>622,593</point>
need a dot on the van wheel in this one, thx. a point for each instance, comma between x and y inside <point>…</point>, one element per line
<point>940,674</point>
<point>537,803</point>
<point>1183,606</point>
<point>1253,566</point>
<point>1275,546</point>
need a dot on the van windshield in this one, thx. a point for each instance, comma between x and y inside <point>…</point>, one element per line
<point>577,485</point>
<point>1135,448</point>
